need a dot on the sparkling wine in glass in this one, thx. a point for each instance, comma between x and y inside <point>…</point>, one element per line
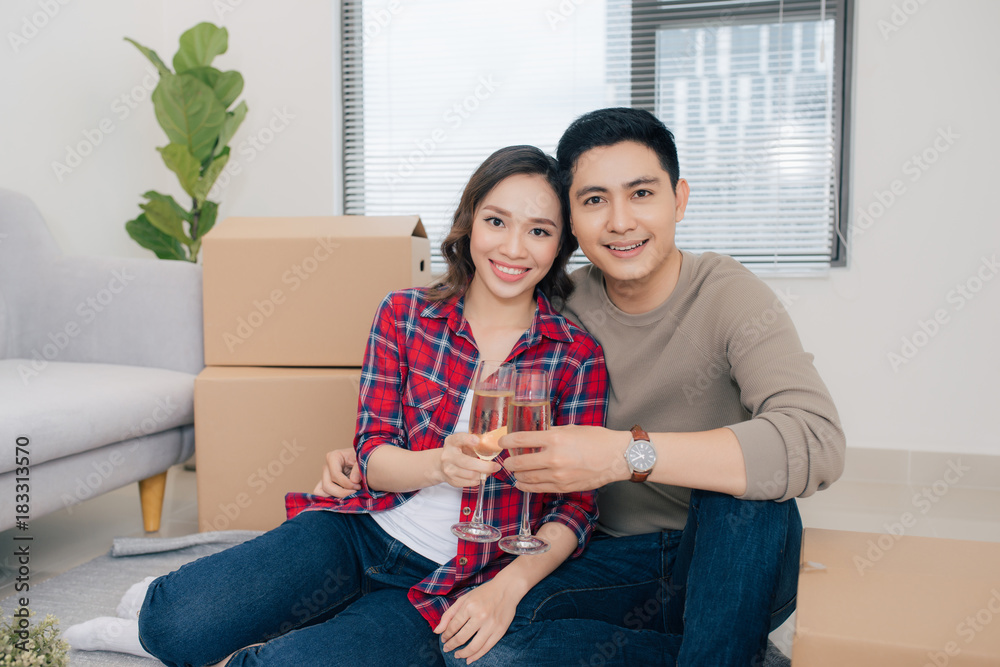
<point>492,390</point>
<point>530,410</point>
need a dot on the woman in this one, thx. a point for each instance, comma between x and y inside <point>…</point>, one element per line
<point>371,578</point>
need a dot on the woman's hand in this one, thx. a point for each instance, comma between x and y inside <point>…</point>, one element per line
<point>460,466</point>
<point>478,620</point>
<point>341,474</point>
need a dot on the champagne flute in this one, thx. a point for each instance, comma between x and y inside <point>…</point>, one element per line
<point>492,390</point>
<point>530,410</point>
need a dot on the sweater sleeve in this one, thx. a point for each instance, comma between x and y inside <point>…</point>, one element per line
<point>793,444</point>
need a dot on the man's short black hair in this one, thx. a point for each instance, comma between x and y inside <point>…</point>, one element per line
<point>606,127</point>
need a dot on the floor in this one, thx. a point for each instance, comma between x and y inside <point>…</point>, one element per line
<point>77,534</point>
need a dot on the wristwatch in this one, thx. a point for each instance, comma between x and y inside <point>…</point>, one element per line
<point>640,455</point>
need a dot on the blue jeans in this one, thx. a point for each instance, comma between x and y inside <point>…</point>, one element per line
<point>706,595</point>
<point>320,589</point>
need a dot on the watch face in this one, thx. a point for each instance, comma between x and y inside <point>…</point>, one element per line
<point>641,455</point>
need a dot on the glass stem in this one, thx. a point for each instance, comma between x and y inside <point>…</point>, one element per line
<point>477,515</point>
<point>525,526</point>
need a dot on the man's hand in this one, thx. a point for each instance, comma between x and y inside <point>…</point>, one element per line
<point>478,620</point>
<point>566,458</point>
<point>460,466</point>
<point>341,474</point>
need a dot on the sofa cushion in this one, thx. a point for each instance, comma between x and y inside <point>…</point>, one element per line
<point>3,326</point>
<point>66,408</point>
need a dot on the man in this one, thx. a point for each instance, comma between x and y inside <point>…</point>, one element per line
<point>696,557</point>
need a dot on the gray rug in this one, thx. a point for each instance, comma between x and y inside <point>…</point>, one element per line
<point>95,588</point>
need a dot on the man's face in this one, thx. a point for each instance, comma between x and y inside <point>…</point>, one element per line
<point>624,212</point>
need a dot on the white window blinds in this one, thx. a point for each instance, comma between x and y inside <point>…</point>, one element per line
<point>750,90</point>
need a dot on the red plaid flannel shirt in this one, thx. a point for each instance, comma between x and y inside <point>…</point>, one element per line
<point>417,370</point>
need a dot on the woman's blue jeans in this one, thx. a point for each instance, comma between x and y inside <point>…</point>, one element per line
<point>320,589</point>
<point>706,595</point>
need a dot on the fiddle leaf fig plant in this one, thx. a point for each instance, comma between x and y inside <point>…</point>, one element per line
<point>192,106</point>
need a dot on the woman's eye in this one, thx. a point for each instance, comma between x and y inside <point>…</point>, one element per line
<point>494,222</point>
<point>539,231</point>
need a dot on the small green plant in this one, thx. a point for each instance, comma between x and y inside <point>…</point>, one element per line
<point>191,104</point>
<point>24,645</point>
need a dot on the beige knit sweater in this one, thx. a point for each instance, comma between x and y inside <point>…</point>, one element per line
<point>720,351</point>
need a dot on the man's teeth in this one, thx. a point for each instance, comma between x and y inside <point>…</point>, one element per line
<point>512,272</point>
<point>627,247</point>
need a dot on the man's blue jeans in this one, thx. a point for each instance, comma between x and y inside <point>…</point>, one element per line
<point>320,589</point>
<point>707,595</point>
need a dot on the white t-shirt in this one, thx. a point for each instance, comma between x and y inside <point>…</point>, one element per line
<point>423,523</point>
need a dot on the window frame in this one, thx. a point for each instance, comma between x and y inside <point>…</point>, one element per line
<point>649,16</point>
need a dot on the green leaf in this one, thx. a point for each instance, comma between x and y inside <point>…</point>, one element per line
<point>199,46</point>
<point>180,161</point>
<point>212,172</point>
<point>161,215</point>
<point>189,113</point>
<point>232,123</point>
<point>151,238</point>
<point>178,209</point>
<point>227,86</point>
<point>209,210</point>
<point>151,54</point>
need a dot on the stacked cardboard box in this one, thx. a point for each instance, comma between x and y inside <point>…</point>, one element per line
<point>288,305</point>
<point>889,600</point>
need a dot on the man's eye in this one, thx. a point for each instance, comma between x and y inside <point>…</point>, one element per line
<point>593,200</point>
<point>643,193</point>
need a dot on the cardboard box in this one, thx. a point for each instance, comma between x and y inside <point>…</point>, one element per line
<point>890,600</point>
<point>263,432</point>
<point>303,291</point>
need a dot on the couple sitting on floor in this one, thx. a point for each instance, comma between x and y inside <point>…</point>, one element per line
<point>698,425</point>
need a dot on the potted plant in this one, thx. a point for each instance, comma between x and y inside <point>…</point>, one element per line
<point>23,644</point>
<point>192,106</point>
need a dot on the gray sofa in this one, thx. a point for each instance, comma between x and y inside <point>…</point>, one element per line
<point>97,364</point>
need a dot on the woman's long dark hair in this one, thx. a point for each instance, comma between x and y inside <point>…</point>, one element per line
<point>502,164</point>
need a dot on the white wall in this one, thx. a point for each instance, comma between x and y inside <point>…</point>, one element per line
<point>937,71</point>
<point>71,74</point>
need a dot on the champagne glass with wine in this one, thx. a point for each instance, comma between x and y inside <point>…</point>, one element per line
<point>530,410</point>
<point>492,391</point>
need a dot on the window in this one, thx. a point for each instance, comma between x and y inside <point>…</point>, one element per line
<point>753,91</point>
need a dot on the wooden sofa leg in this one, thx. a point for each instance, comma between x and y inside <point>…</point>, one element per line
<point>151,496</point>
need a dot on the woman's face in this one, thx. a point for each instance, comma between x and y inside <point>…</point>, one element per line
<point>515,235</point>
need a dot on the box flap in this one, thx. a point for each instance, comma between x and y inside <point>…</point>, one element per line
<point>343,226</point>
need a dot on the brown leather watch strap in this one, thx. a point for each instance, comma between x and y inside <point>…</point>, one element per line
<point>639,434</point>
